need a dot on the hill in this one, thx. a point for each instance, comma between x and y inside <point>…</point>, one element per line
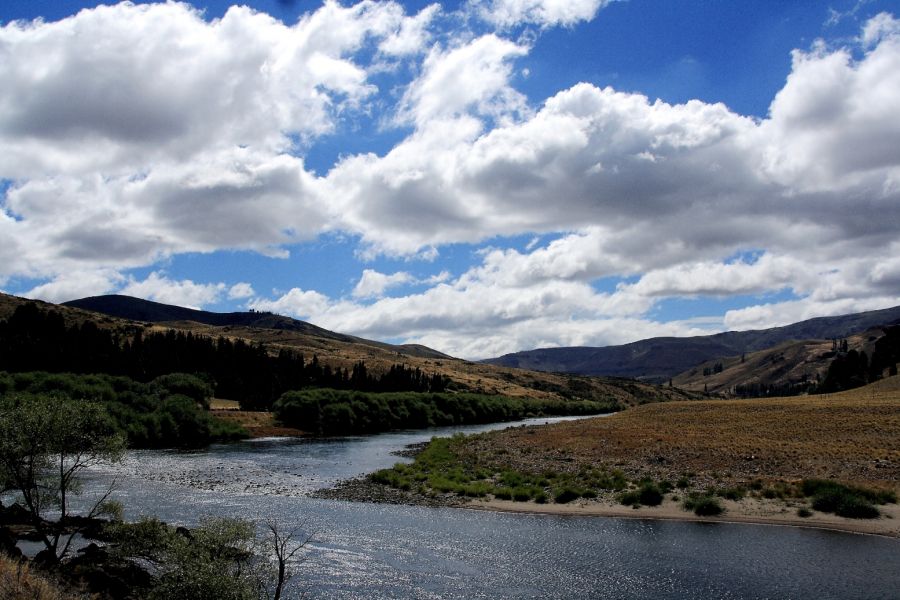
<point>137,309</point>
<point>662,358</point>
<point>340,351</point>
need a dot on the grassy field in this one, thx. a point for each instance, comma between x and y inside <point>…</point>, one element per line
<point>813,461</point>
<point>258,424</point>
<point>852,437</point>
<point>766,448</point>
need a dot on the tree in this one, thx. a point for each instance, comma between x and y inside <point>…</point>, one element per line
<point>45,444</point>
<point>221,559</point>
<point>284,548</point>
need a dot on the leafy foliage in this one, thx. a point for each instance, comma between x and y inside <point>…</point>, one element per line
<point>45,443</point>
<point>852,369</point>
<point>845,500</point>
<point>441,468</point>
<point>34,339</point>
<point>335,412</point>
<point>703,505</point>
<point>165,412</point>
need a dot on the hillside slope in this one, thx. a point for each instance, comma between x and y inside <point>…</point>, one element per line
<point>337,352</point>
<point>658,359</point>
<point>137,309</point>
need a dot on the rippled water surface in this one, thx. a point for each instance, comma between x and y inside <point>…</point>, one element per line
<point>384,551</point>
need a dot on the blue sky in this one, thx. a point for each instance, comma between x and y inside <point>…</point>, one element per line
<point>481,176</point>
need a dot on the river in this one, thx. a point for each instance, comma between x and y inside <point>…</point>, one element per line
<point>385,551</point>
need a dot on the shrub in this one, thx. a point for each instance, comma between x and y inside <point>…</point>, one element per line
<point>704,506</point>
<point>521,494</point>
<point>855,507</point>
<point>503,493</point>
<point>566,495</point>
<point>735,493</point>
<point>632,498</point>
<point>682,482</point>
<point>650,495</point>
<point>842,500</point>
<point>804,512</point>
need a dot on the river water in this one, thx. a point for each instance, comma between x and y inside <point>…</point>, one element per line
<point>385,551</point>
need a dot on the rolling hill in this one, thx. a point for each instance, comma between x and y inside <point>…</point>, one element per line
<point>137,309</point>
<point>659,359</point>
<point>343,351</point>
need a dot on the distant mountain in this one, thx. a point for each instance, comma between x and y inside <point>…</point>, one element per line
<point>137,309</point>
<point>658,359</point>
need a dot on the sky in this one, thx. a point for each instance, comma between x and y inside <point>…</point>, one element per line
<point>479,176</point>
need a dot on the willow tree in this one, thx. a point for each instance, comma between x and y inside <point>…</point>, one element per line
<point>46,442</point>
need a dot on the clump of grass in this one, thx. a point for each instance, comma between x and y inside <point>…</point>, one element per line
<point>733,493</point>
<point>522,494</point>
<point>780,490</point>
<point>503,493</point>
<point>648,494</point>
<point>19,582</point>
<point>845,501</point>
<point>703,505</point>
<point>804,512</point>
<point>566,495</point>
<point>632,498</point>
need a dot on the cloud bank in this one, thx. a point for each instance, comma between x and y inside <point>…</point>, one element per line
<point>133,133</point>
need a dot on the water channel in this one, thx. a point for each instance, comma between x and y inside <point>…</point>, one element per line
<point>365,550</point>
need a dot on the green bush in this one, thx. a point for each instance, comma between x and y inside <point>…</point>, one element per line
<point>365,412</point>
<point>735,493</point>
<point>804,512</point>
<point>650,495</point>
<point>632,498</point>
<point>166,412</point>
<point>522,494</point>
<point>503,493</point>
<point>704,506</point>
<point>566,495</point>
<point>846,501</point>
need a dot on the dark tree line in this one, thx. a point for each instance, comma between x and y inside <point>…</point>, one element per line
<point>33,339</point>
<point>851,369</point>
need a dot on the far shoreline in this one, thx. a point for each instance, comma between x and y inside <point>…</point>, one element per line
<point>748,511</point>
<point>886,526</point>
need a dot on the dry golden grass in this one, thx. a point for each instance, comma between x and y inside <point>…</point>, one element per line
<point>19,582</point>
<point>852,437</point>
<point>220,404</point>
<point>257,424</point>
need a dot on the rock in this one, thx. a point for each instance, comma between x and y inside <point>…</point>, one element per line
<point>8,543</point>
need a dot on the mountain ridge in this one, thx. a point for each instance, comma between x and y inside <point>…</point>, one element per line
<point>661,358</point>
<point>138,309</point>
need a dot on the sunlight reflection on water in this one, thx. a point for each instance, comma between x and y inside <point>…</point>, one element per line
<point>384,551</point>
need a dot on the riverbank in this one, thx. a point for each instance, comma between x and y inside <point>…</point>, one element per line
<point>749,510</point>
<point>826,461</point>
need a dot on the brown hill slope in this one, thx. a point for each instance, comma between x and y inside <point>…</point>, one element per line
<point>788,365</point>
<point>138,309</point>
<point>341,351</point>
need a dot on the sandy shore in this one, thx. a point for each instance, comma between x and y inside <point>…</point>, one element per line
<point>749,510</point>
